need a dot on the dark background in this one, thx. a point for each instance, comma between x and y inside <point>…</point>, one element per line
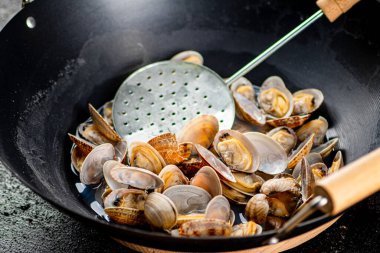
<point>29,224</point>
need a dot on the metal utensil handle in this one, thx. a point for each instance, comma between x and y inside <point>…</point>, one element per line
<point>273,48</point>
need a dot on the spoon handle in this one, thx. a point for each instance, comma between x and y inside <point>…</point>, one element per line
<point>334,8</point>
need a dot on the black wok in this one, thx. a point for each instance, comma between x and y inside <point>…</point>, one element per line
<point>80,51</point>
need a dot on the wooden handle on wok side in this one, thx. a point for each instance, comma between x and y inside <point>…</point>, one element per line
<point>334,8</point>
<point>351,184</point>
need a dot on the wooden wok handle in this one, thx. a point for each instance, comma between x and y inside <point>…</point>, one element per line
<point>334,8</point>
<point>351,184</point>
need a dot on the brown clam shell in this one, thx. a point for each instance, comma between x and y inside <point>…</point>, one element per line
<point>166,144</point>
<point>205,227</point>
<point>257,208</point>
<point>102,125</point>
<point>291,122</point>
<point>303,149</point>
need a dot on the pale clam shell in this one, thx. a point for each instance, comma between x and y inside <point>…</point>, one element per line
<point>326,148</point>
<point>135,177</point>
<point>247,110</point>
<point>154,163</point>
<point>160,211</point>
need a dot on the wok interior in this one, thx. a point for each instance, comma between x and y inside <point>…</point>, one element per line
<point>85,58</point>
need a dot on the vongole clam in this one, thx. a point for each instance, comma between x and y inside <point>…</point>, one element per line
<point>160,211</point>
<point>189,56</point>
<point>244,87</point>
<point>326,148</point>
<point>337,163</point>
<point>80,151</point>
<point>318,127</point>
<point>207,179</point>
<point>200,130</point>
<point>284,136</point>
<point>143,155</point>
<point>275,99</point>
<point>302,150</point>
<point>172,175</point>
<point>307,101</point>
<point>234,195</point>
<point>291,122</point>
<point>126,206</point>
<point>246,183</point>
<point>236,151</point>
<point>246,229</point>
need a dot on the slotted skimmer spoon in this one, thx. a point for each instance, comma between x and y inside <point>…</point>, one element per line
<point>163,96</point>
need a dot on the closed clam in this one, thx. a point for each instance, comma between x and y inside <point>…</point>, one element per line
<point>188,198</point>
<point>307,101</point>
<point>189,56</point>
<point>126,206</point>
<point>248,110</point>
<point>246,229</point>
<point>273,158</point>
<point>160,211</point>
<point>133,177</point>
<point>167,146</point>
<point>303,149</point>
<point>246,183</point>
<point>172,175</point>
<point>92,167</point>
<point>200,130</point>
<point>326,148</point>
<point>257,208</point>
<point>207,179</point>
<point>318,127</point>
<point>337,163</point>
<point>283,184</point>
<point>236,151</point>
<point>291,122</point>
<point>284,136</point>
<point>211,160</point>
<point>218,208</point>
<point>143,155</point>
<point>275,99</point>
<point>205,227</point>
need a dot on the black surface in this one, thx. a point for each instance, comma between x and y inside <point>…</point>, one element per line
<point>79,52</point>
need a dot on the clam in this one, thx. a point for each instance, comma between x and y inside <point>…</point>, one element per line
<point>133,177</point>
<point>318,127</point>
<point>107,167</point>
<point>283,184</point>
<point>325,149</point>
<point>243,87</point>
<point>311,158</point>
<point>200,130</point>
<point>172,175</point>
<point>166,144</point>
<point>121,151</point>
<point>247,110</point>
<point>211,160</point>
<point>307,101</point>
<point>257,208</point>
<point>302,150</point>
<point>143,155</point>
<point>274,222</point>
<point>188,198</point>
<point>273,158</point>
<point>92,167</point>
<point>246,229</point>
<point>186,149</point>
<point>236,151</point>
<point>107,112</point>
<point>77,158</point>
<point>218,208</point>
<point>337,163</point>
<point>277,208</point>
<point>205,227</point>
<point>102,125</point>
<point>126,206</point>
<point>207,179</point>
<point>291,122</point>
<point>307,180</point>
<point>191,166</point>
<point>160,211</point>
<point>189,217</point>
<point>248,184</point>
<point>234,195</point>
<point>91,133</point>
<point>284,136</point>
<point>189,56</point>
<point>80,151</point>
<point>275,99</point>
<point>319,170</point>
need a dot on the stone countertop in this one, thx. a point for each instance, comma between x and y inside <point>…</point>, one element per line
<point>29,224</point>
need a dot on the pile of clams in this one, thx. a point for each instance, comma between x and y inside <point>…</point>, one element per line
<point>186,183</point>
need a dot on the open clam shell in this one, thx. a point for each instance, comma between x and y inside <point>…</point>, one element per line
<point>275,99</point>
<point>311,159</point>
<point>77,158</point>
<point>92,167</point>
<point>318,127</point>
<point>107,167</point>
<point>284,136</point>
<point>337,163</point>
<point>135,177</point>
<point>121,149</point>
<point>246,229</point>
<point>243,87</point>
<point>303,149</point>
<point>103,126</point>
<point>205,227</point>
<point>326,148</point>
<point>107,112</point>
<point>188,198</point>
<point>273,159</point>
<point>247,110</point>
<point>248,184</point>
<point>291,122</point>
<point>84,146</point>
<point>160,211</point>
<point>172,175</point>
<point>237,151</point>
<point>91,133</point>
<point>200,130</point>
<point>307,101</point>
<point>215,163</point>
<point>234,195</point>
<point>143,155</point>
<point>189,56</point>
<point>307,179</point>
<point>207,179</point>
<point>166,144</point>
